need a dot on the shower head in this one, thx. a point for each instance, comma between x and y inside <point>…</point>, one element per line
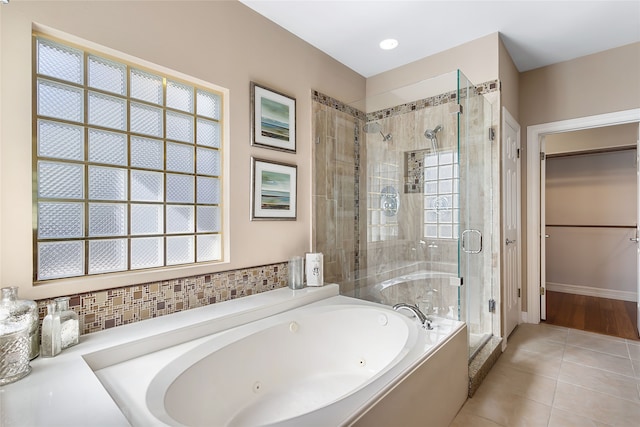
<point>386,137</point>
<point>431,134</point>
<point>375,127</point>
<point>372,127</point>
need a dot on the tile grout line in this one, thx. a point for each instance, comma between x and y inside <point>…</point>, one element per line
<point>600,351</point>
<point>633,376</point>
<point>557,379</point>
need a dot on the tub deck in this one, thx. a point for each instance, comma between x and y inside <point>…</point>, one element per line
<point>66,390</point>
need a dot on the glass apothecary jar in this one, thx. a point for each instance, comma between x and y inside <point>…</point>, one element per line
<point>21,310</point>
<point>17,318</point>
<point>51,336</point>
<point>69,324</point>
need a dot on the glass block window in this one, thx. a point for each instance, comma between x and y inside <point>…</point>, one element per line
<point>441,191</point>
<point>128,166</point>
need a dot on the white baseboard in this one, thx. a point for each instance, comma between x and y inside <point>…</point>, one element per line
<point>524,318</point>
<point>593,292</point>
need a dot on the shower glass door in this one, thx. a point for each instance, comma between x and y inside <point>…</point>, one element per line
<point>475,149</point>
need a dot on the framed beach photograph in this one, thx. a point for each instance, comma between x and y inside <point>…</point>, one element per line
<point>274,194</point>
<point>273,119</point>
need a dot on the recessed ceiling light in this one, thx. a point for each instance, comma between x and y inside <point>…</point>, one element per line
<point>388,44</point>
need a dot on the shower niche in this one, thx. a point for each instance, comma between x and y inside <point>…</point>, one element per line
<point>414,171</point>
<point>399,180</point>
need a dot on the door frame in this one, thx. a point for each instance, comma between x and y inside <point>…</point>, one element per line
<point>534,232</point>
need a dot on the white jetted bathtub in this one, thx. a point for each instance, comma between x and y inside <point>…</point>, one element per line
<point>329,363</point>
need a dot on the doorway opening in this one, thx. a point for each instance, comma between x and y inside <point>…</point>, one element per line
<point>589,189</point>
<point>536,286</point>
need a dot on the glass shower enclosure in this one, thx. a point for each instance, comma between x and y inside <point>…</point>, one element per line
<point>403,199</point>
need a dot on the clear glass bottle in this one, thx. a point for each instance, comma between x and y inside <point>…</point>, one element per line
<point>22,311</point>
<point>15,343</point>
<point>69,324</point>
<point>51,338</point>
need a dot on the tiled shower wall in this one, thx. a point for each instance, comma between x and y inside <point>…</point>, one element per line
<point>396,240</point>
<point>115,307</point>
<point>336,192</point>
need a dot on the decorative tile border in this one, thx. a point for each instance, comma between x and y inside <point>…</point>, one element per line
<point>444,98</point>
<point>486,87</point>
<point>356,196</point>
<point>120,306</point>
<point>336,105</point>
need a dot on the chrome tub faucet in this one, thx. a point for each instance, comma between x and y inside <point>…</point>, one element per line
<point>424,320</point>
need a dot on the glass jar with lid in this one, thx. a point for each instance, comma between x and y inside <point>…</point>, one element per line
<point>16,320</point>
<point>22,311</point>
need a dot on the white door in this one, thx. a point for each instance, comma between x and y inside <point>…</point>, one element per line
<point>511,220</point>
<point>638,225</point>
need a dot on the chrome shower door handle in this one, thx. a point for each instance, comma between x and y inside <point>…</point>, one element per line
<point>469,245</point>
<point>634,239</point>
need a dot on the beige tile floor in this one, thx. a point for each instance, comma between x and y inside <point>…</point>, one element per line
<point>559,377</point>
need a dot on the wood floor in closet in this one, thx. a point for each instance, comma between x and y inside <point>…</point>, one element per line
<point>602,315</point>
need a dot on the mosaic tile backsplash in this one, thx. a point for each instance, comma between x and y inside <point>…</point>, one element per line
<point>106,309</point>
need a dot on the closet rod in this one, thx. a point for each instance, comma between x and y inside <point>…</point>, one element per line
<point>592,151</point>
<point>590,226</point>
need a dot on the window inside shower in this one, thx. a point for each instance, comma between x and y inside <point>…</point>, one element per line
<point>441,191</point>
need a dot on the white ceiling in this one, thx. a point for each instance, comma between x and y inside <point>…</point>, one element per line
<point>536,33</point>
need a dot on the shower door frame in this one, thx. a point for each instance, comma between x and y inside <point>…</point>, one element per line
<point>476,221</point>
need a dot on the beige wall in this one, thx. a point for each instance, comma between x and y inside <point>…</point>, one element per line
<point>594,84</point>
<point>478,60</point>
<point>509,82</point>
<point>222,42</point>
